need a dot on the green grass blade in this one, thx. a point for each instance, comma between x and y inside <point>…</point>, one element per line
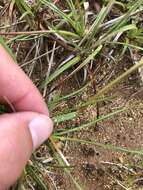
<point>127,44</point>
<point>72,7</point>
<point>124,20</point>
<point>100,18</point>
<point>37,179</point>
<point>53,103</point>
<point>115,82</point>
<point>24,7</point>
<point>106,37</point>
<point>86,61</point>
<point>100,145</point>
<point>69,64</point>
<point>78,17</point>
<point>96,25</point>
<point>91,123</point>
<point>64,117</point>
<point>59,12</point>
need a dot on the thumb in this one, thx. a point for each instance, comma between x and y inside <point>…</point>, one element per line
<point>20,134</point>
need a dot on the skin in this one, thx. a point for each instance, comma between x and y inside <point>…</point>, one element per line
<point>15,138</point>
<point>17,87</point>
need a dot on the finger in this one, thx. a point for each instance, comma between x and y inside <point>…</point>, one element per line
<point>20,134</point>
<point>17,87</point>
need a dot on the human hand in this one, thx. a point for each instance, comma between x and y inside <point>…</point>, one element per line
<point>23,131</point>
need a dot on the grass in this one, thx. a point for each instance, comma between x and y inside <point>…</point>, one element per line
<point>86,44</point>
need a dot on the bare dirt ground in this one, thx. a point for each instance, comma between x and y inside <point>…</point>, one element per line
<point>99,169</point>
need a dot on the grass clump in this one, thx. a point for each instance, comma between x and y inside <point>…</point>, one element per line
<point>81,48</point>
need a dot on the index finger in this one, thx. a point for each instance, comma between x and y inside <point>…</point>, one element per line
<point>17,87</point>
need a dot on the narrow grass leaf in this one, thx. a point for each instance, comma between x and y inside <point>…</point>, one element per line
<point>127,44</point>
<point>100,145</point>
<point>36,178</point>
<point>109,86</point>
<point>69,64</point>
<point>124,20</point>
<point>106,37</point>
<point>96,25</point>
<point>59,12</point>
<point>86,61</point>
<point>24,7</point>
<point>91,123</point>
<point>64,117</point>
<point>54,103</point>
<point>72,7</point>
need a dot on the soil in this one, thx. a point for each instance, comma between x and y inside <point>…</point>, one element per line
<point>98,169</point>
